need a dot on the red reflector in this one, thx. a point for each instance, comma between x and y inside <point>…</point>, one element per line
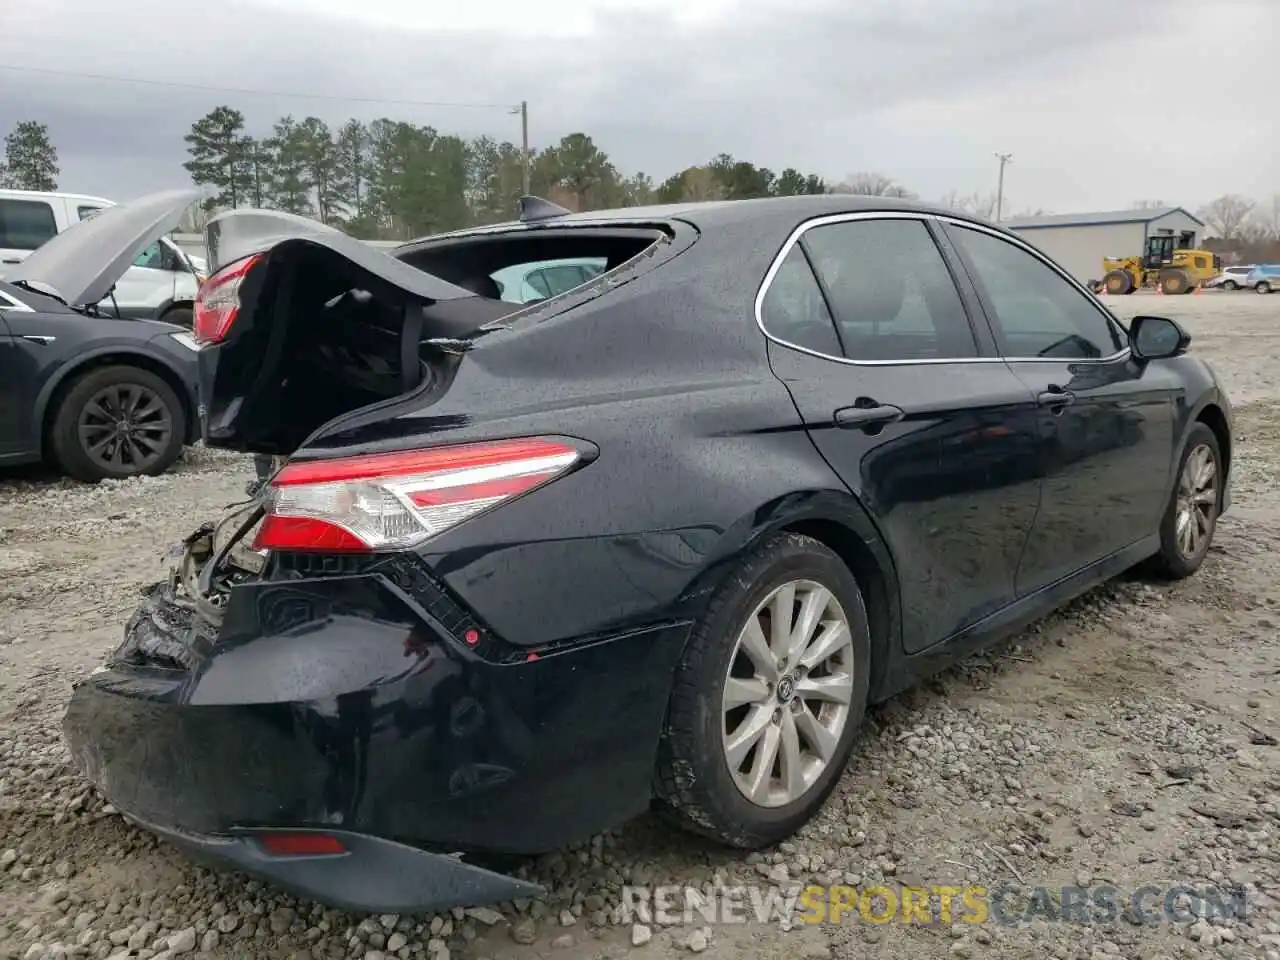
<point>305,533</point>
<point>472,637</point>
<point>300,844</point>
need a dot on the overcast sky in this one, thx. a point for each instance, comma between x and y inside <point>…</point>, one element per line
<point>1101,102</point>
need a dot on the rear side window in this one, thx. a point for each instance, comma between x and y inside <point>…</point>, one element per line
<point>26,224</point>
<point>85,213</point>
<point>794,311</point>
<point>1037,312</point>
<point>890,291</point>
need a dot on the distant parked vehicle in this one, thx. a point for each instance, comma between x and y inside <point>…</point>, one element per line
<point>543,279</point>
<point>99,395</point>
<point>1264,278</point>
<point>160,284</point>
<point>1232,278</point>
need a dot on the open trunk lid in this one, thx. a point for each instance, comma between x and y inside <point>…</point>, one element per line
<point>322,325</point>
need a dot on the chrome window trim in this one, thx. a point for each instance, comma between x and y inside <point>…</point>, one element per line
<point>17,306</point>
<point>794,237</point>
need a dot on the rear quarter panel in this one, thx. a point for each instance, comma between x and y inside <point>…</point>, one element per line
<point>700,448</point>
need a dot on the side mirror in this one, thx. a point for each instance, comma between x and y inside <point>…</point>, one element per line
<point>1157,338</point>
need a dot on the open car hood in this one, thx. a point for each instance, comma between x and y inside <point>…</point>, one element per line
<point>84,262</point>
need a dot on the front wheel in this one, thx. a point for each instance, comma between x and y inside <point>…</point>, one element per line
<point>768,698</point>
<point>1191,518</point>
<point>117,422</point>
<point>1231,285</point>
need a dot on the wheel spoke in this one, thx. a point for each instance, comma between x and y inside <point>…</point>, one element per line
<point>812,607</point>
<point>835,688</point>
<point>790,757</point>
<point>821,739</point>
<point>739,691</point>
<point>759,719</point>
<point>761,775</point>
<point>781,615</point>
<point>834,635</point>
<point>96,410</point>
<point>756,647</point>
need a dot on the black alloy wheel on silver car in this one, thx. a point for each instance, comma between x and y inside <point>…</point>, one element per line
<point>1191,517</point>
<point>769,697</point>
<point>117,422</point>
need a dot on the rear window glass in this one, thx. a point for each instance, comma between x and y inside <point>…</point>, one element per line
<point>26,224</point>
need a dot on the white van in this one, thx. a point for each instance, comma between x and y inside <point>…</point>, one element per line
<point>161,284</point>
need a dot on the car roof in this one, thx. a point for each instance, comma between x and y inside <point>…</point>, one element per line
<point>704,215</point>
<point>50,194</point>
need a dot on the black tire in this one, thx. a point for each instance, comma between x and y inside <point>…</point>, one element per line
<point>179,317</point>
<point>694,783</point>
<point>1174,282</point>
<point>1118,282</point>
<point>1263,287</point>
<point>1230,285</point>
<point>1172,562</point>
<point>74,455</point>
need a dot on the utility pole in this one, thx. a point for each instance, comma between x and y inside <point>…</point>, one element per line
<point>1004,158</point>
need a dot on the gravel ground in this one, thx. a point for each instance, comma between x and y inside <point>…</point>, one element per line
<point>1128,740</point>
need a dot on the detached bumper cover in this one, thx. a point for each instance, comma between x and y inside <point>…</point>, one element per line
<point>372,876</point>
<point>345,703</point>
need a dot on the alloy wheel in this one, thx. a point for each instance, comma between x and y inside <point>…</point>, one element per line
<point>1197,501</point>
<point>786,698</point>
<point>125,428</point>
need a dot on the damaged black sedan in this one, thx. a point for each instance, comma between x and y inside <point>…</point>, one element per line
<point>534,559</point>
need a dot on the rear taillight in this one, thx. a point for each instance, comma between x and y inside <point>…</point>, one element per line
<point>392,501</point>
<point>218,301</point>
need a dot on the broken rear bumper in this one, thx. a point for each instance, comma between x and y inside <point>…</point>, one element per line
<point>371,875</point>
<point>351,703</point>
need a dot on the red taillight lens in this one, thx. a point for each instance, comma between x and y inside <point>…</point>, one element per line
<point>301,844</point>
<point>393,501</point>
<point>218,301</point>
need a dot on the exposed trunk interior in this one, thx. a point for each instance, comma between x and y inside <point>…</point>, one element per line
<point>320,336</point>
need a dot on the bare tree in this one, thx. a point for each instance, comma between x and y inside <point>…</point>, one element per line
<point>872,185</point>
<point>979,204</point>
<point>1264,224</point>
<point>1227,215</point>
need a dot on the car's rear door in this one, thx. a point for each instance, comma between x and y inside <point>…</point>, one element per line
<point>872,329</point>
<point>1106,421</point>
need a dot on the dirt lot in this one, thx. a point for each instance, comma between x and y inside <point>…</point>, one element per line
<point>1127,741</point>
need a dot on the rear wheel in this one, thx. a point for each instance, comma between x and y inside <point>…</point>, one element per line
<point>769,696</point>
<point>1118,282</point>
<point>1191,517</point>
<point>1174,282</point>
<point>1262,286</point>
<point>119,422</point>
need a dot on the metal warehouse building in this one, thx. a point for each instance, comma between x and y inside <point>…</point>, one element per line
<point>1079,241</point>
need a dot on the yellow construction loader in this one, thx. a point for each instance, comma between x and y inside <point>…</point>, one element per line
<point>1165,264</point>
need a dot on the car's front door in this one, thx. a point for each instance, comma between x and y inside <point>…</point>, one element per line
<point>1106,420</point>
<point>905,398</point>
<point>18,381</point>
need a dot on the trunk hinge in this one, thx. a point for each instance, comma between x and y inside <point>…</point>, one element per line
<point>410,345</point>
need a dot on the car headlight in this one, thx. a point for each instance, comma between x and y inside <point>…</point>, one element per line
<point>187,340</point>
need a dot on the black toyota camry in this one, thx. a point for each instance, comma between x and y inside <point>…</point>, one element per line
<point>532,562</point>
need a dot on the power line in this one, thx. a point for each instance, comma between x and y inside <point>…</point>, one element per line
<point>245,91</point>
